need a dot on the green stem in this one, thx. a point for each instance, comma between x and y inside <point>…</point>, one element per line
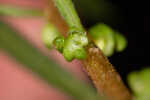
<point>69,13</point>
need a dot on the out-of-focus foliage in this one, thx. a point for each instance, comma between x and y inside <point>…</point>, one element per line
<point>107,39</point>
<point>8,10</point>
<point>50,33</point>
<point>43,66</point>
<point>121,42</point>
<point>140,84</point>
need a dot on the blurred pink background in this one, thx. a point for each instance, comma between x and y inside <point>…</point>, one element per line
<point>17,83</point>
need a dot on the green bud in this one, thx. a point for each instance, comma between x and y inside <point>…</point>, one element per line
<point>59,43</point>
<point>50,32</point>
<point>80,53</point>
<point>74,46</point>
<point>121,42</point>
<point>140,84</point>
<point>103,37</point>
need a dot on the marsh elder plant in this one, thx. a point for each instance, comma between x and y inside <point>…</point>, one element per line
<point>90,47</point>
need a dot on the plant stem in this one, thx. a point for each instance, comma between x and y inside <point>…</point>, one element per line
<point>104,76</point>
<point>69,13</point>
<point>102,73</point>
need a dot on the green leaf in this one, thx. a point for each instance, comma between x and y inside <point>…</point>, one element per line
<point>43,66</point>
<point>8,10</point>
<point>67,10</point>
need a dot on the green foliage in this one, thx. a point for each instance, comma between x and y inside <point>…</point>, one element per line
<point>140,84</point>
<point>7,10</point>
<point>43,66</point>
<point>107,39</point>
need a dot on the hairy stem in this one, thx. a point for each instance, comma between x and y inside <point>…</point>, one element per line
<point>104,76</point>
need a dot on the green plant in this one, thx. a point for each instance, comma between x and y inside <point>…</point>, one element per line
<point>96,65</point>
<point>76,45</point>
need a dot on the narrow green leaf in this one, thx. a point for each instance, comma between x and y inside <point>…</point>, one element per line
<point>8,10</point>
<point>43,66</point>
<point>69,13</point>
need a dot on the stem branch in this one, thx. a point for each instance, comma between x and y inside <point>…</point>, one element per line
<point>102,73</point>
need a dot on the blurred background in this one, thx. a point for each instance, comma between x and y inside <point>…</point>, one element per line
<point>128,17</point>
